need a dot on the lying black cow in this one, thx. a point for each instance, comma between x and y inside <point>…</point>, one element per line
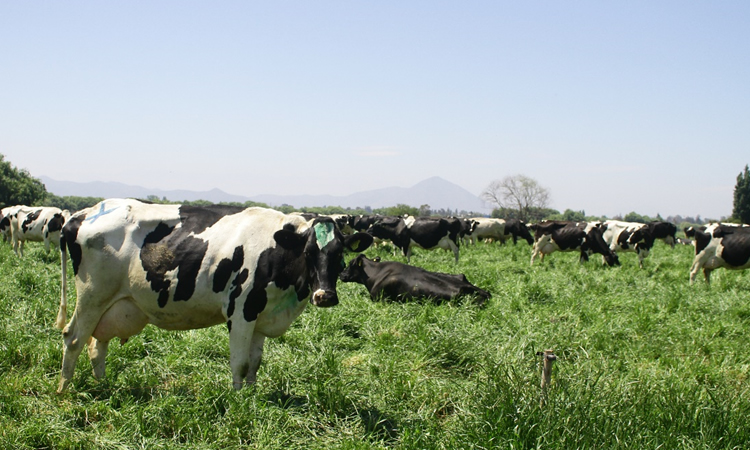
<point>397,281</point>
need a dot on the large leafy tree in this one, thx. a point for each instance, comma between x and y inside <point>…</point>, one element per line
<point>18,187</point>
<point>518,192</point>
<point>741,210</point>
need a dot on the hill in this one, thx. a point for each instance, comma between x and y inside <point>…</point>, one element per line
<point>436,192</point>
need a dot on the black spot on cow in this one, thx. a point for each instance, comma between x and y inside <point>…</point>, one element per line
<point>4,223</point>
<point>56,223</point>
<point>169,248</point>
<point>736,247</point>
<point>518,229</point>
<point>195,219</point>
<point>236,290</point>
<point>68,240</point>
<point>702,240</point>
<point>30,218</point>
<point>281,265</point>
<point>623,240</point>
<point>226,267</point>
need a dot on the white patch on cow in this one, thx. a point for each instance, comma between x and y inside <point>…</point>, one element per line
<point>317,295</point>
<point>488,228</point>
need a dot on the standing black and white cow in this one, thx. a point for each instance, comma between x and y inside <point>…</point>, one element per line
<point>425,232</point>
<point>629,237</point>
<point>664,231</point>
<point>551,236</point>
<point>181,268</point>
<point>36,224</point>
<point>5,216</point>
<point>499,230</point>
<point>399,282</point>
<point>343,222</point>
<point>720,246</point>
<point>464,227</point>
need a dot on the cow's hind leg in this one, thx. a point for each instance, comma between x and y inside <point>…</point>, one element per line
<point>696,267</point>
<point>122,320</point>
<point>75,336</point>
<point>98,355</point>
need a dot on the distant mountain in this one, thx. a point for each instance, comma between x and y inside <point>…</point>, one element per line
<point>435,191</point>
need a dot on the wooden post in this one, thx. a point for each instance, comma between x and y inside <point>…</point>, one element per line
<point>548,359</point>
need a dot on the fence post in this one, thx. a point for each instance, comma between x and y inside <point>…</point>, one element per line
<point>548,359</point>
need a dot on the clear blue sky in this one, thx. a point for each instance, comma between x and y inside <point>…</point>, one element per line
<point>614,106</point>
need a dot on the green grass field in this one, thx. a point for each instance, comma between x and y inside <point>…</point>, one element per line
<point>644,361</point>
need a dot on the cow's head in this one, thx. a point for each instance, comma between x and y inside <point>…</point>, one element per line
<point>596,244</point>
<point>322,246</point>
<point>355,271</point>
<point>518,228</point>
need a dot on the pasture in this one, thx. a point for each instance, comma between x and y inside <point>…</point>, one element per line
<point>644,361</point>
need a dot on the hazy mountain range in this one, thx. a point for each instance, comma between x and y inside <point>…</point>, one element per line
<point>436,192</point>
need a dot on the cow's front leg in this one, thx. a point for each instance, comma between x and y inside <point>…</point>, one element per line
<point>256,354</point>
<point>240,349</point>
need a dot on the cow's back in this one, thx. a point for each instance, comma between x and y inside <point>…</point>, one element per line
<point>170,258</point>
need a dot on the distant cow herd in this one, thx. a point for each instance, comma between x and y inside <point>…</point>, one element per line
<point>255,269</point>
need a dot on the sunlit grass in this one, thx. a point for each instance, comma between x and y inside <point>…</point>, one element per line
<point>644,361</point>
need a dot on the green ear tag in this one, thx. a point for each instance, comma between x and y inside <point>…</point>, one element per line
<point>324,233</point>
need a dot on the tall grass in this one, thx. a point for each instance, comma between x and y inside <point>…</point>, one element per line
<point>644,361</point>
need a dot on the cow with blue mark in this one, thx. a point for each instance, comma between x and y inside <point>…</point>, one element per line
<point>182,267</point>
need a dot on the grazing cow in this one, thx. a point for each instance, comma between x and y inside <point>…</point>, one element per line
<point>5,215</point>
<point>720,246</point>
<point>424,232</point>
<point>37,224</point>
<point>499,230</point>
<point>182,267</point>
<point>551,236</point>
<point>343,222</point>
<point>464,227</point>
<point>690,231</point>
<point>363,222</point>
<point>487,228</point>
<point>664,231</point>
<point>629,236</point>
<point>397,281</point>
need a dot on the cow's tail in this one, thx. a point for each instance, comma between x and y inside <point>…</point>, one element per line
<point>62,313</point>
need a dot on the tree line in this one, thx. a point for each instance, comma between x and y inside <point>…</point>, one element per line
<point>514,197</point>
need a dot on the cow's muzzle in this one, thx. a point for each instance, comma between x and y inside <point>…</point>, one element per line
<point>324,299</point>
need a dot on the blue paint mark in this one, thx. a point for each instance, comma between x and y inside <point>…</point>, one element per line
<point>100,213</point>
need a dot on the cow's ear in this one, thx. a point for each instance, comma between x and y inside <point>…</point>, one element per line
<point>358,242</point>
<point>290,240</point>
